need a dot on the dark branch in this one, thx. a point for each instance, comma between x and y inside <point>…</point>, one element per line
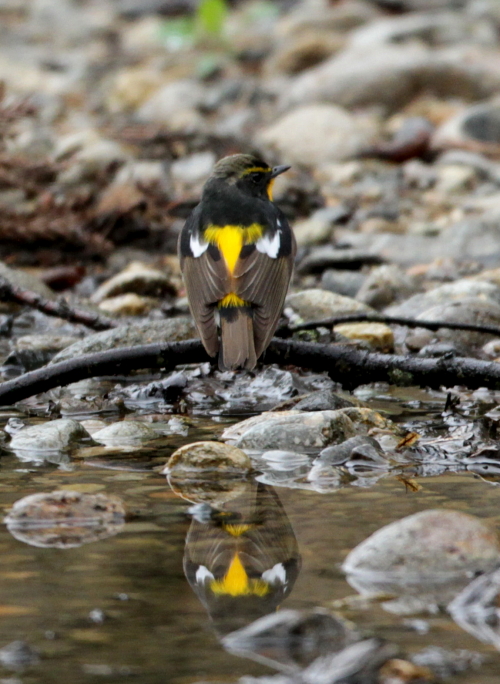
<point>59,308</point>
<point>349,366</point>
<point>285,330</point>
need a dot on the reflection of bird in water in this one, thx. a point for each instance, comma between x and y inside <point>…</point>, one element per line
<point>244,560</point>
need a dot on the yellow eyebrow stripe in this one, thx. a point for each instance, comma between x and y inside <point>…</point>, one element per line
<point>256,169</point>
<point>230,240</point>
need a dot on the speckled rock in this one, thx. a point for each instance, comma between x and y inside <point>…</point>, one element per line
<point>434,542</point>
<point>128,305</point>
<point>148,332</point>
<point>377,335</point>
<point>55,435</point>
<point>138,278</point>
<point>312,305</point>
<point>292,430</point>
<point>50,343</point>
<point>125,433</point>
<point>201,457</point>
<point>313,134</point>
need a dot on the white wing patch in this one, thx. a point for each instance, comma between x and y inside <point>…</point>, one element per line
<point>196,246</point>
<point>269,246</point>
<point>202,574</point>
<point>276,574</point>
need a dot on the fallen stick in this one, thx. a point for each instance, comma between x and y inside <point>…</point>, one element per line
<point>59,308</point>
<point>349,366</point>
<point>388,320</point>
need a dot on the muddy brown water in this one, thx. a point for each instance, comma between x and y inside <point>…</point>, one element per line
<point>121,609</point>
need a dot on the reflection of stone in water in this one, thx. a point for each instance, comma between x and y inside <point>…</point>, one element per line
<point>409,598</point>
<point>65,519</point>
<point>476,609</point>
<point>290,640</point>
<point>244,560</point>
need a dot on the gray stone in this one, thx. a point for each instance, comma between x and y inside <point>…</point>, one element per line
<point>345,283</point>
<point>170,100</point>
<point>55,435</point>
<point>148,332</point>
<point>138,278</point>
<point>311,431</point>
<point>125,433</point>
<point>464,288</point>
<point>313,305</point>
<point>477,129</point>
<point>315,133</point>
<point>431,543</point>
<point>50,343</point>
<point>470,311</point>
<point>324,400</point>
<point>385,284</point>
<point>193,169</point>
<point>391,76</point>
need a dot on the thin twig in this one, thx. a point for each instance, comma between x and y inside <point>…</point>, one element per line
<point>285,330</point>
<point>349,366</point>
<point>59,308</point>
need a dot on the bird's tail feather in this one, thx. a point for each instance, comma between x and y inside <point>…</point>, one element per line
<point>237,339</point>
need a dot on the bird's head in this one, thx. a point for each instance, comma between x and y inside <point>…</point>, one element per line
<point>248,173</point>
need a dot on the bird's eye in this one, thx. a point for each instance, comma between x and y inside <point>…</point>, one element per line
<point>256,177</point>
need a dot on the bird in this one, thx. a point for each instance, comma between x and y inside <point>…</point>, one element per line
<point>236,252</point>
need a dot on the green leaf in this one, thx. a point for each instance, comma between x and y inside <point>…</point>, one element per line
<point>178,33</point>
<point>211,16</point>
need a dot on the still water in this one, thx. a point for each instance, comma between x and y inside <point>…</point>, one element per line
<point>122,608</point>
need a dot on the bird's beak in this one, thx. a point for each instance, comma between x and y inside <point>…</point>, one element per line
<point>277,170</point>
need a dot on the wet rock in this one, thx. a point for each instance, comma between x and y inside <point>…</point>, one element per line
<point>148,332</point>
<point>377,336</point>
<point>125,433</point>
<point>55,435</point>
<point>290,430</point>
<point>65,519</point>
<point>290,638</point>
<point>385,284</point>
<point>323,400</point>
<point>309,432</point>
<point>202,457</point>
<point>345,283</point>
<point>138,278</point>
<point>360,446</point>
<point>128,305</point>
<point>313,305</point>
<point>431,543</point>
<point>313,134</point>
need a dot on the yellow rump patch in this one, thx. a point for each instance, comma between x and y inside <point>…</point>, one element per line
<point>237,530</point>
<point>230,240</point>
<point>237,583</point>
<point>232,299</point>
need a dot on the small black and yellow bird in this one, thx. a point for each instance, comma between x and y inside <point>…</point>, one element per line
<point>236,252</point>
